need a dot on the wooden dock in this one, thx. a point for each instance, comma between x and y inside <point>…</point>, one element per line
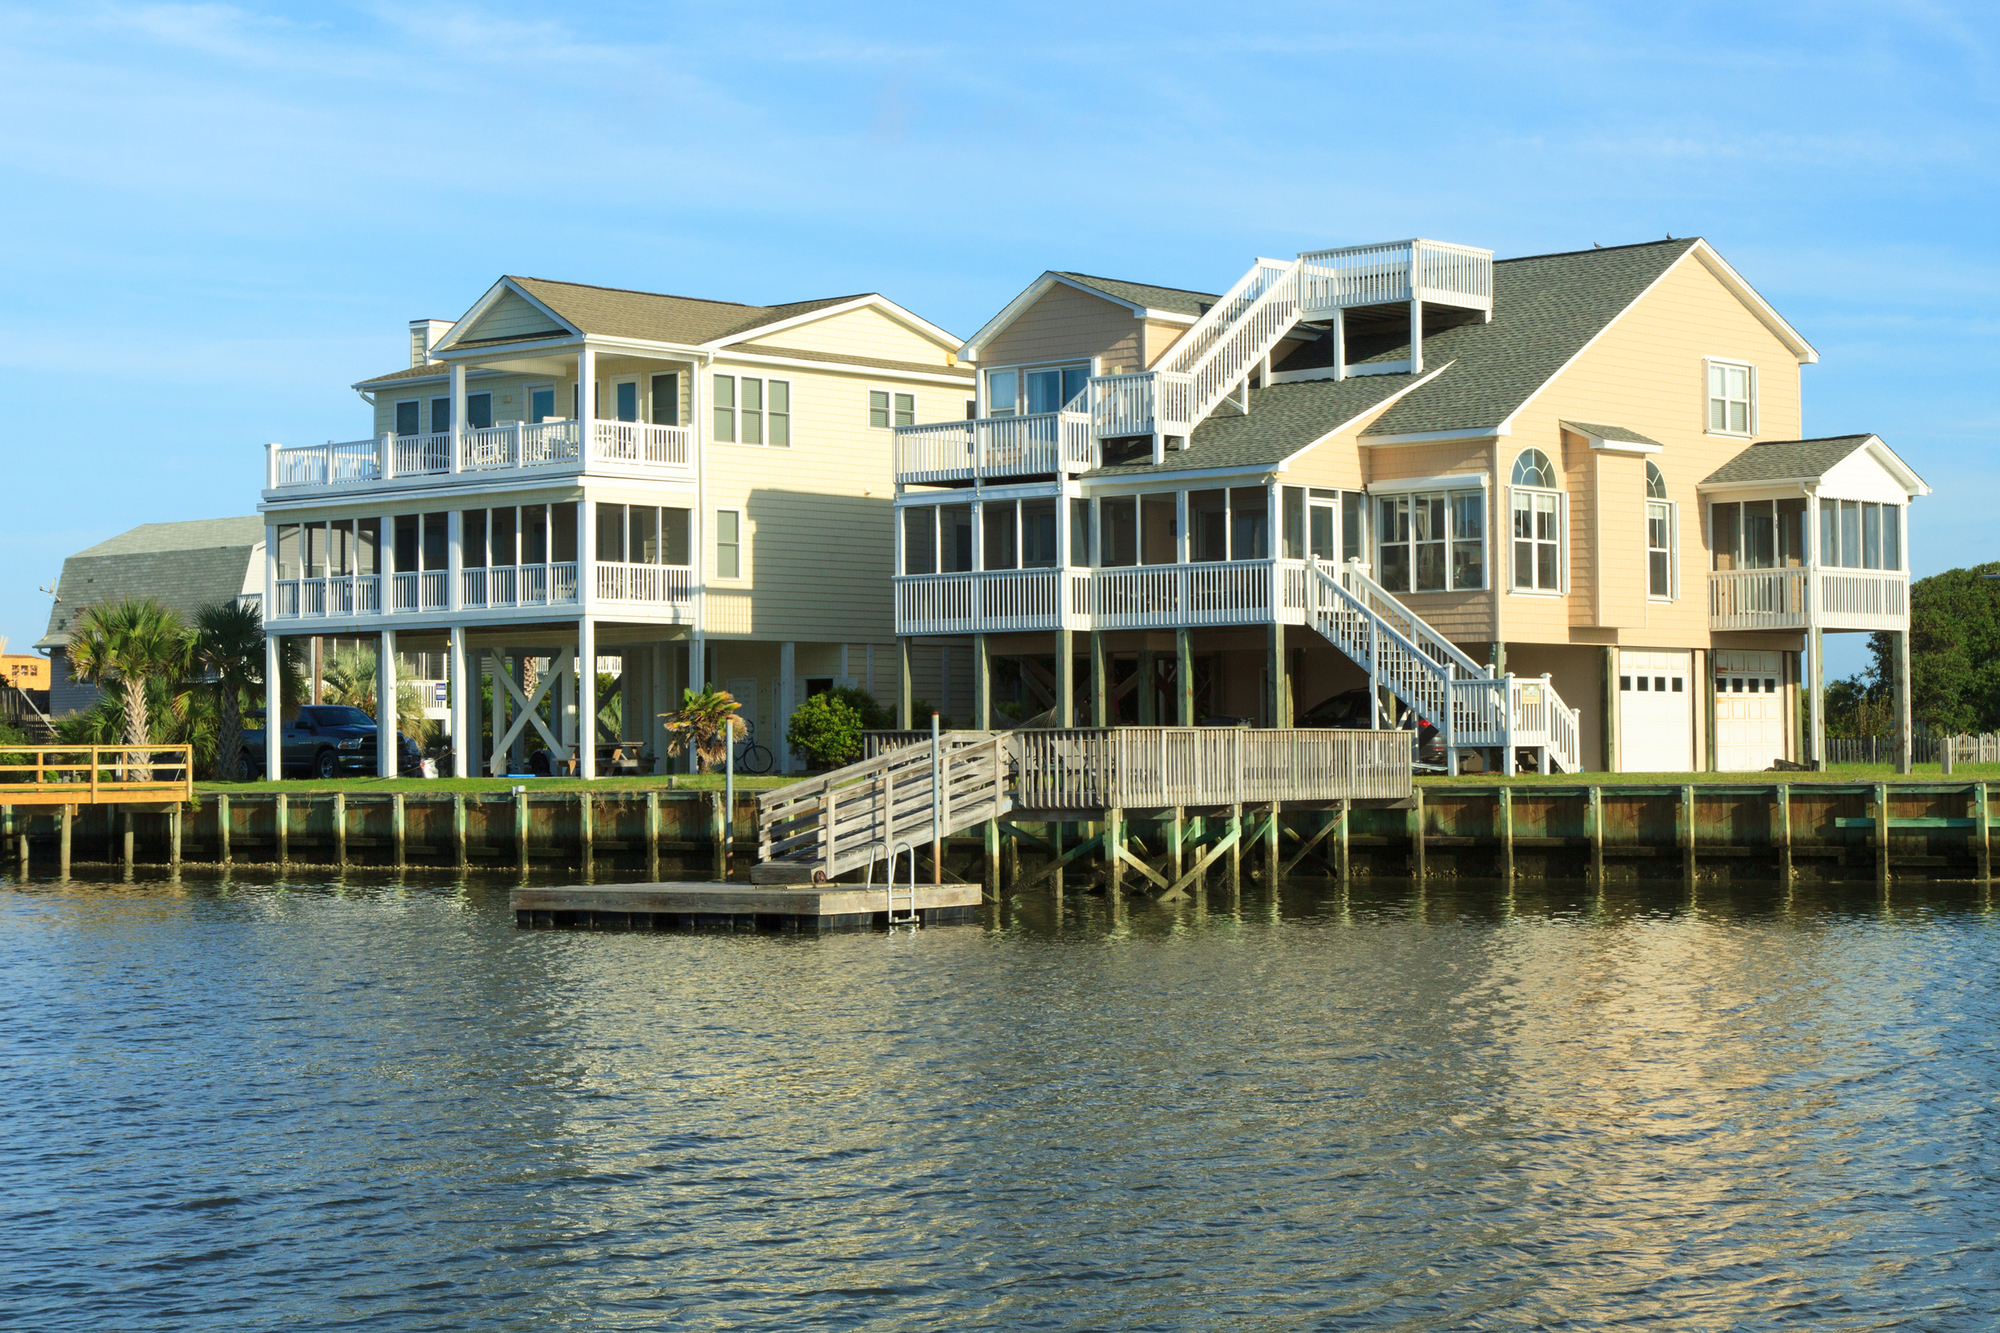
<point>718,906</point>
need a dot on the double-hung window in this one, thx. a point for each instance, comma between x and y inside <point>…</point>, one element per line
<point>1732,398</point>
<point>666,402</point>
<point>729,543</point>
<point>886,409</point>
<point>409,417</point>
<point>1431,540</point>
<point>1662,538</point>
<point>440,415</point>
<point>1538,512</point>
<point>749,410</point>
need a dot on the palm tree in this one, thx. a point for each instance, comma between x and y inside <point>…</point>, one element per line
<point>709,719</point>
<point>230,647</point>
<point>132,642</point>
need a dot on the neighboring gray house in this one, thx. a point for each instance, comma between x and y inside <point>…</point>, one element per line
<point>183,566</point>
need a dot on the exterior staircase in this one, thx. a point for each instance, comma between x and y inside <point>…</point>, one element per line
<point>1471,707</point>
<point>812,831</point>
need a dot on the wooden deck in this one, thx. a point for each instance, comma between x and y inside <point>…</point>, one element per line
<point>71,775</point>
<point>716,906</point>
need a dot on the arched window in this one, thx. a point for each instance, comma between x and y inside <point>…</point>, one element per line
<point>1533,468</point>
<point>1662,537</point>
<point>1538,512</point>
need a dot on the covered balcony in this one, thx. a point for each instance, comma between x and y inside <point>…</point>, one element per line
<point>1775,569</point>
<point>545,447</point>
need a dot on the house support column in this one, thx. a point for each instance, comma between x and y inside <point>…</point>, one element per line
<point>1100,681</point>
<point>982,683</point>
<point>1281,679</point>
<point>1416,325</point>
<point>905,690</point>
<point>1065,678</point>
<point>788,670</point>
<point>1816,691</point>
<point>586,697</point>
<point>1184,676</point>
<point>1902,700</point>
<point>463,701</point>
<point>1610,725</point>
<point>387,725</point>
<point>274,693</point>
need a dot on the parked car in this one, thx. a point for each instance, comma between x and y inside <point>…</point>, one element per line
<point>325,741</point>
<point>1348,710</point>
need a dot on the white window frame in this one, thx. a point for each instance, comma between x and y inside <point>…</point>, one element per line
<point>638,397</point>
<point>1711,364</point>
<point>762,412</point>
<point>1562,532</point>
<point>1451,489</point>
<point>891,409</point>
<point>1020,371</point>
<point>1670,511</point>
<point>396,415</point>
<point>736,545</point>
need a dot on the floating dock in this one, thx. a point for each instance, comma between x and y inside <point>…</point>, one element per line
<point>718,906</point>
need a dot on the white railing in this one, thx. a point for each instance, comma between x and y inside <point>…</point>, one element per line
<point>420,455</point>
<point>420,591</point>
<point>1362,275</point>
<point>1863,599</point>
<point>1145,402</point>
<point>518,444</point>
<point>641,443</point>
<point>1041,444</point>
<point>1248,323</point>
<point>1543,721</point>
<point>337,595</point>
<point>654,585</point>
<point>1235,592</point>
<point>327,464</point>
<point>1807,598</point>
<point>502,586</point>
<point>988,602</point>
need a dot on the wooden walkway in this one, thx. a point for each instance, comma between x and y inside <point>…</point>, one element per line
<point>919,795</point>
<point>71,775</point>
<point>716,906</point>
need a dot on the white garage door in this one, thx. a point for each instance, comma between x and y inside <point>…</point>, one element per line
<point>1749,711</point>
<point>1655,712</point>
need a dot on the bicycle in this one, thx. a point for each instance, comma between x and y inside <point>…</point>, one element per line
<point>750,756</point>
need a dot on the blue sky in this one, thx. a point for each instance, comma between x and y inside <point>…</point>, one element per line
<point>219,216</point>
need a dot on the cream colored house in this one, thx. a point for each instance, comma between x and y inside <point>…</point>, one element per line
<point>1557,506</point>
<point>697,489</point>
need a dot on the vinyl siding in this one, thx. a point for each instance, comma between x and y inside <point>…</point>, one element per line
<point>1646,374</point>
<point>511,316</point>
<point>866,332</point>
<point>818,526</point>
<point>1067,324</point>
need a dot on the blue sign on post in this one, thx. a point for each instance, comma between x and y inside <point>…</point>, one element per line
<point>438,694</point>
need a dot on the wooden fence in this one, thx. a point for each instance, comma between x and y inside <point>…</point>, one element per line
<point>96,774</point>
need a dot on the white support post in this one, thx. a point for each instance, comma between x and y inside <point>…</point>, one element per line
<point>787,672</point>
<point>270,467</point>
<point>463,693</point>
<point>586,698</point>
<point>274,695</point>
<point>387,732</point>
<point>1340,344</point>
<point>385,562</point>
<point>657,671</point>
<point>586,402</point>
<point>586,553</point>
<point>454,558</point>
<point>1416,329</point>
<point>457,414</point>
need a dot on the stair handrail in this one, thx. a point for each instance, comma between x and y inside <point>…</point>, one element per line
<point>1212,384</point>
<point>1205,332</point>
<point>1432,667</point>
<point>1424,633</point>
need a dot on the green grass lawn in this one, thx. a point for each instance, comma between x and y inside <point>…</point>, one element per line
<point>678,782</point>
<point>1849,773</point>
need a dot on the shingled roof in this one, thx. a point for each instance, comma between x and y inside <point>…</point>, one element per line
<point>183,566</point>
<point>1283,419</point>
<point>1175,300</point>
<point>1787,460</point>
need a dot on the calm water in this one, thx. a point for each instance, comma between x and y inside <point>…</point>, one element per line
<point>373,1106</point>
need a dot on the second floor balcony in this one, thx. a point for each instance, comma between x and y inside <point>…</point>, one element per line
<point>656,590</point>
<point>1226,592</point>
<point>1808,598</point>
<point>545,447</point>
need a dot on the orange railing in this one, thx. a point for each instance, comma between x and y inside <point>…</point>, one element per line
<point>95,774</point>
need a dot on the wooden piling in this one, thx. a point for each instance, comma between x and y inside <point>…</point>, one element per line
<point>1505,819</point>
<point>1010,866</point>
<point>1784,832</point>
<point>1346,866</point>
<point>1415,818</point>
<point>1235,836</point>
<point>67,818</point>
<point>173,838</point>
<point>340,829</point>
<point>521,828</point>
<point>222,827</point>
<point>1882,835</point>
<point>1981,824</point>
<point>1686,829</point>
<point>991,837</point>
<point>283,814</point>
<point>128,838</point>
<point>652,835</point>
<point>1114,843</point>
<point>585,833</point>
<point>399,826</point>
<point>458,828</point>
<point>718,832</point>
<point>1593,815</point>
<point>1271,859</point>
<point>1176,836</point>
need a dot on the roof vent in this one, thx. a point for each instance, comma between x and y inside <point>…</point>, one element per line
<point>424,335</point>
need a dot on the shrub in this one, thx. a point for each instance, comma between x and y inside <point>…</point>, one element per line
<point>874,716</point>
<point>828,729</point>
